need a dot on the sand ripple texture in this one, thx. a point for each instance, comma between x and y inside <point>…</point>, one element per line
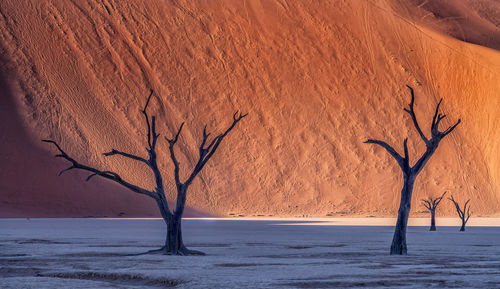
<point>316,77</point>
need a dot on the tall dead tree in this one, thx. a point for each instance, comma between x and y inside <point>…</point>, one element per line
<point>173,242</point>
<point>462,213</point>
<point>411,172</point>
<point>431,205</point>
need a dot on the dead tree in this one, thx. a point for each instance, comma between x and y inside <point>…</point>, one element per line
<point>173,242</point>
<point>411,172</point>
<point>462,213</point>
<point>431,205</point>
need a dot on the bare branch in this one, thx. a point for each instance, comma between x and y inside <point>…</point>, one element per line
<point>411,112</point>
<point>433,124</point>
<point>440,117</point>
<point>174,140</point>
<point>237,116</point>
<point>419,165</point>
<point>436,134</point>
<point>407,156</point>
<point>205,137</point>
<point>207,152</point>
<point>65,170</point>
<point>465,206</point>
<point>438,200</point>
<point>431,204</point>
<point>95,174</point>
<point>62,153</point>
<point>217,140</point>
<point>90,176</point>
<point>465,220</point>
<point>105,174</point>
<point>147,118</point>
<point>172,143</point>
<point>212,143</point>
<point>153,132</point>
<point>427,204</point>
<point>202,149</point>
<point>461,213</point>
<point>451,128</point>
<point>390,150</point>
<point>131,156</point>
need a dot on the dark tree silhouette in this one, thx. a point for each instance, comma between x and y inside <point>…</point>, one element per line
<point>411,172</point>
<point>462,213</point>
<point>431,205</point>
<point>173,243</point>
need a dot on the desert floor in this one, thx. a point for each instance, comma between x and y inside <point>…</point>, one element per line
<point>95,253</point>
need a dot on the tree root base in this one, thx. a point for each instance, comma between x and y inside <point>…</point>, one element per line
<point>163,251</point>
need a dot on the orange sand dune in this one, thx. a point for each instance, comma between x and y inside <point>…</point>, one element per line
<point>317,78</point>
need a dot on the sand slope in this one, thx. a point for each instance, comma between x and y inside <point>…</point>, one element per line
<point>317,78</point>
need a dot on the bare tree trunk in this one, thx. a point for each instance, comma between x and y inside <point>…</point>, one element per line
<point>174,244</point>
<point>173,230</point>
<point>433,220</point>
<point>410,172</point>
<point>398,246</point>
<point>173,240</point>
<point>463,214</point>
<point>431,204</point>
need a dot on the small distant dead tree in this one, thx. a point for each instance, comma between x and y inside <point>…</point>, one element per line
<point>174,244</point>
<point>431,205</point>
<point>462,213</point>
<point>411,172</point>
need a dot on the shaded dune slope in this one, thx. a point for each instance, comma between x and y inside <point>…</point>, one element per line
<point>317,78</point>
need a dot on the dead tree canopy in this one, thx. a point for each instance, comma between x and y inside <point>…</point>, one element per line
<point>431,144</point>
<point>463,214</point>
<point>431,205</point>
<point>173,241</point>
<point>410,172</point>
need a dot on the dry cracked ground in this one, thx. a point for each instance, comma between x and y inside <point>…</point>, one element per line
<point>98,253</point>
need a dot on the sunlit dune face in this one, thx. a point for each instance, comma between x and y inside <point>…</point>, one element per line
<point>317,80</point>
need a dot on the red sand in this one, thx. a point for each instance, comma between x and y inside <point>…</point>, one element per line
<point>317,77</point>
